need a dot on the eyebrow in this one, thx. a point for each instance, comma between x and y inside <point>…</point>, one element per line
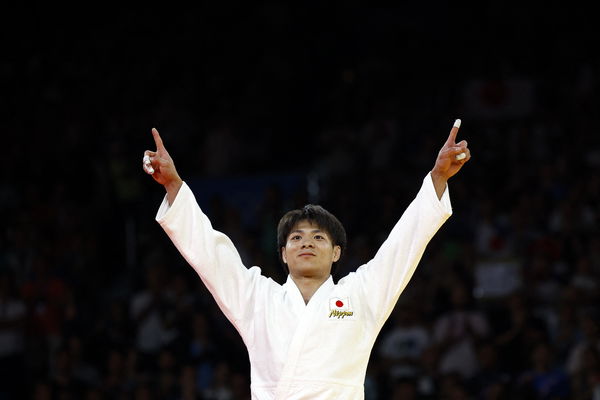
<point>303,230</point>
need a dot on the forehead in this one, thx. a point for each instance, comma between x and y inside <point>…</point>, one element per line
<point>305,225</point>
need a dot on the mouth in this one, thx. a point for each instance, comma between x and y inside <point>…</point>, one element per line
<point>307,254</point>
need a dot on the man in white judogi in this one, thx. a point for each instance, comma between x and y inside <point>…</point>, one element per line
<point>308,338</point>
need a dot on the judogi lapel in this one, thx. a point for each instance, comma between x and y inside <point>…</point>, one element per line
<point>306,320</point>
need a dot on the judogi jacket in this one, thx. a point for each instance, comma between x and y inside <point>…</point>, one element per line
<point>318,350</point>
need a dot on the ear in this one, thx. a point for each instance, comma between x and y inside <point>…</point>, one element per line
<point>337,252</point>
<point>283,255</point>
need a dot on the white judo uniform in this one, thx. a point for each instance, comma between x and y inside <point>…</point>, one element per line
<point>318,350</point>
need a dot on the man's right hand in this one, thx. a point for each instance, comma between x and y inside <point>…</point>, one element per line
<point>162,168</point>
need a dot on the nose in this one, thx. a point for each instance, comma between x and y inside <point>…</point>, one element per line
<point>307,243</point>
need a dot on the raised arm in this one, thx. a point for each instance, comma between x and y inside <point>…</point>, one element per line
<point>210,252</point>
<point>450,159</point>
<point>385,276</point>
<point>161,167</point>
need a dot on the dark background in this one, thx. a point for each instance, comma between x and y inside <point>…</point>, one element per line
<point>265,107</point>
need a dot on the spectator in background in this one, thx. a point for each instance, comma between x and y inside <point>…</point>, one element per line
<point>201,352</point>
<point>520,332</point>
<point>187,383</point>
<point>545,379</point>
<point>45,294</point>
<point>452,386</point>
<point>116,379</point>
<point>42,390</point>
<point>457,333</point>
<point>181,300</point>
<point>542,282</point>
<point>564,332</point>
<point>491,379</point>
<point>150,310</point>
<point>12,338</point>
<point>585,282</point>
<point>166,377</point>
<point>83,369</point>
<point>589,326</point>
<point>62,376</point>
<point>220,387</point>
<point>585,381</point>
<point>401,347</point>
<point>113,328</point>
<point>428,381</point>
<point>593,252</point>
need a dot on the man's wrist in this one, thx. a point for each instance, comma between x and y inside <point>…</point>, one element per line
<point>174,185</point>
<point>439,182</point>
<point>172,189</point>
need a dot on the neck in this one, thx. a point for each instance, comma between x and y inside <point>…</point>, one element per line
<point>308,285</point>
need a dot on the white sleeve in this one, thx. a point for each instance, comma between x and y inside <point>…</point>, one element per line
<point>384,277</point>
<point>212,255</point>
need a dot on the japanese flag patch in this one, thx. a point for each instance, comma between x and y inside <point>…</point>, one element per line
<point>340,308</point>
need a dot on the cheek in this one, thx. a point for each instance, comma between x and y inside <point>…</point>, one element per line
<point>287,250</point>
<point>289,247</point>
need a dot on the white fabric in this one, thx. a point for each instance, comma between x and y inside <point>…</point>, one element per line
<point>318,350</point>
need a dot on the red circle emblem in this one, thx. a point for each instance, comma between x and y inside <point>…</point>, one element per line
<point>339,303</point>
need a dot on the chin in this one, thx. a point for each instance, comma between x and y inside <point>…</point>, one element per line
<point>307,271</point>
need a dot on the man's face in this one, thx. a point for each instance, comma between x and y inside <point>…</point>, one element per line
<point>309,251</point>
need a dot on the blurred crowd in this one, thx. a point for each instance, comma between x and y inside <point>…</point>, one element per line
<point>95,302</point>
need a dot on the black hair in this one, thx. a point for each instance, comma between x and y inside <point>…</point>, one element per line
<point>317,215</point>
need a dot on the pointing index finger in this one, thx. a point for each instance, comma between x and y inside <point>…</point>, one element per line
<point>453,132</point>
<point>157,140</point>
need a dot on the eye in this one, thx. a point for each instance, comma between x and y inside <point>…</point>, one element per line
<point>295,237</point>
<point>319,237</point>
